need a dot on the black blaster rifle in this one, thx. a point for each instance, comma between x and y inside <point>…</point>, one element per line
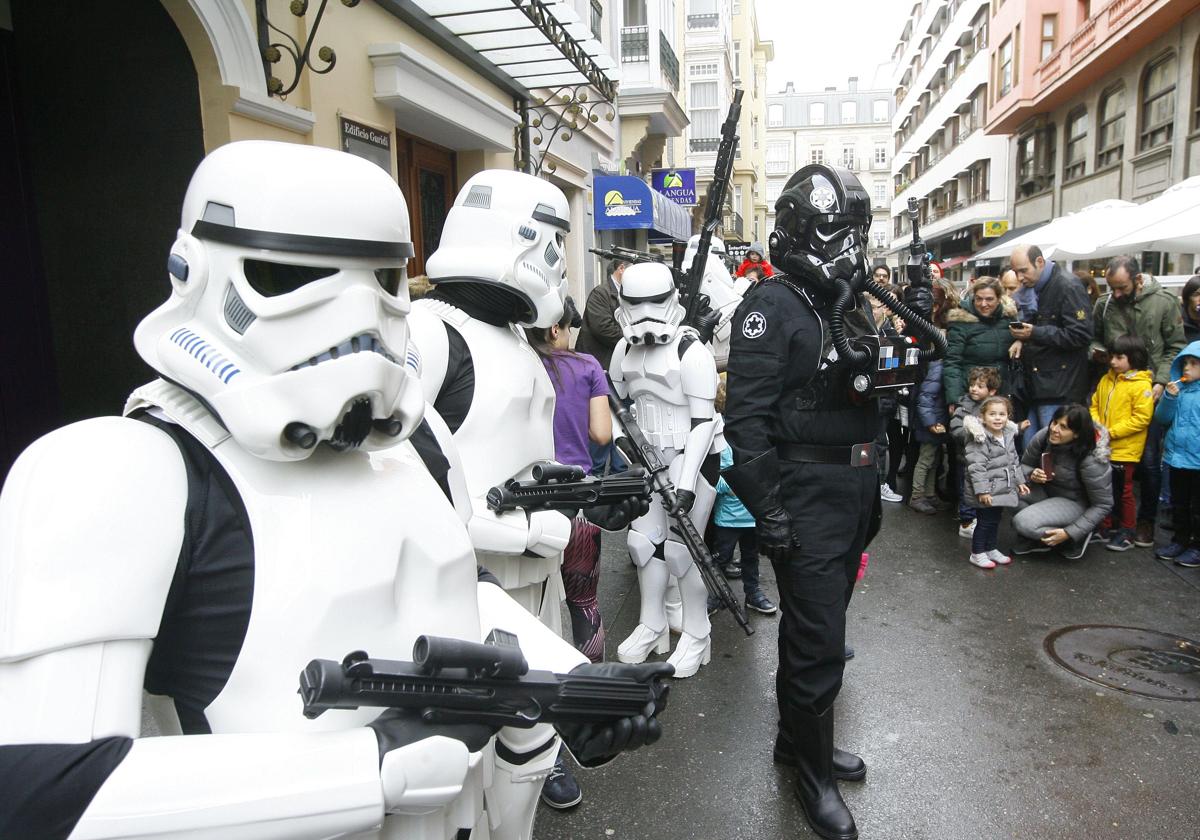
<point>641,452</point>
<point>567,487</point>
<point>452,681</point>
<point>694,302</point>
<point>628,255</point>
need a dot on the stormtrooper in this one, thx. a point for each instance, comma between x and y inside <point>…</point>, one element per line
<point>242,519</point>
<point>723,291</point>
<point>500,266</point>
<point>672,380</point>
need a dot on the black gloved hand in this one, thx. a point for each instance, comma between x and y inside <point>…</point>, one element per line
<point>593,744</point>
<point>684,499</point>
<point>774,533</point>
<point>397,728</point>
<point>706,324</point>
<point>617,516</point>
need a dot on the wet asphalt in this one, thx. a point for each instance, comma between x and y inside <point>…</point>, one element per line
<point>968,728</point>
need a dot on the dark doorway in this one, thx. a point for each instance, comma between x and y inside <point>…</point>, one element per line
<point>427,177</point>
<point>101,130</point>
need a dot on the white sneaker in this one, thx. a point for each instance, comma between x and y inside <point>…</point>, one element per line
<point>889,495</point>
<point>982,561</point>
<point>967,531</point>
<point>999,559</point>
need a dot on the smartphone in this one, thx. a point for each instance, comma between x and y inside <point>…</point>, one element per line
<point>1048,465</point>
<point>1015,325</point>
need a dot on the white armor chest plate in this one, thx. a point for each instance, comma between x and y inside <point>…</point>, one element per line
<point>349,554</point>
<point>653,376</point>
<point>510,425</point>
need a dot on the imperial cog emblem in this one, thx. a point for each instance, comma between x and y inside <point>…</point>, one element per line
<point>822,198</point>
<point>754,325</point>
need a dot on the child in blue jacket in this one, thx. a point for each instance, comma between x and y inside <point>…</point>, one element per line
<point>930,429</point>
<point>1179,411</point>
<point>733,526</point>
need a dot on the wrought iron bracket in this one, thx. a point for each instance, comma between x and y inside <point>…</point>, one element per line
<point>540,16</point>
<point>301,57</point>
<point>566,111</point>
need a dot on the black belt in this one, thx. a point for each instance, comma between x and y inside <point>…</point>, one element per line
<point>858,455</point>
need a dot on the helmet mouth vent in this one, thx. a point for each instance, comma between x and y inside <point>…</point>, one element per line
<point>363,343</point>
<point>355,426</point>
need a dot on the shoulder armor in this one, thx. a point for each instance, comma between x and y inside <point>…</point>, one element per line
<point>91,525</point>
<point>698,371</point>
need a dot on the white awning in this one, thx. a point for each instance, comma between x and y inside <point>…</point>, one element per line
<point>539,43</point>
<point>1072,236</point>
<point>1169,223</point>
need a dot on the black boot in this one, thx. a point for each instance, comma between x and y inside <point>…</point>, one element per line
<point>816,788</point>
<point>846,765</point>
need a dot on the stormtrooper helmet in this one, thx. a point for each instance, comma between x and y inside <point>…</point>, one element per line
<point>649,311</point>
<point>288,303</point>
<point>716,250</point>
<point>508,230</point>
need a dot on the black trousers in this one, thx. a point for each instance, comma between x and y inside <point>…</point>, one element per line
<point>834,511</point>
<point>1185,506</point>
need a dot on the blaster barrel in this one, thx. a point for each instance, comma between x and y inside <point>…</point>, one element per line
<point>550,471</point>
<point>499,661</point>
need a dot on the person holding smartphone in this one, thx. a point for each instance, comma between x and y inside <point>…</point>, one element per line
<point>1066,466</point>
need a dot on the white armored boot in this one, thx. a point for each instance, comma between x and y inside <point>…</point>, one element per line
<point>674,606</point>
<point>651,634</point>
<point>695,647</point>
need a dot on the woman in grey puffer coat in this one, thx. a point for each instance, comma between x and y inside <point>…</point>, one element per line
<point>1067,505</point>
<point>994,478</point>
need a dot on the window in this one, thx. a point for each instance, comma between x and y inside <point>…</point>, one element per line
<point>1004,66</point>
<point>880,239</point>
<point>816,113</point>
<point>1196,89</point>
<point>704,110</point>
<point>881,154</point>
<point>708,69</point>
<point>1158,103</point>
<point>597,20</point>
<point>774,190</point>
<point>1110,139</point>
<point>879,110</point>
<point>849,111</point>
<point>848,157</point>
<point>779,158</point>
<point>774,115</point>
<point>737,60</point>
<point>1075,157</point>
<point>1035,162</point>
<point>635,13</point>
<point>816,156</point>
<point>1049,35</point>
<point>880,194</point>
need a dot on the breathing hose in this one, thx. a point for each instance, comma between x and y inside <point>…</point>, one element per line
<point>910,316</point>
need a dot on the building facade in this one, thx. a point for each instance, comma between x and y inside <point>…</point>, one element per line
<point>433,98</point>
<point>747,221</point>
<point>1097,101</point>
<point>850,128</point>
<point>956,172</point>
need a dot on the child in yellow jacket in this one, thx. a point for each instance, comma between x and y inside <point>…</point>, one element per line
<point>1124,404</point>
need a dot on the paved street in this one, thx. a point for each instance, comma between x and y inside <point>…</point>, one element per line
<point>968,728</point>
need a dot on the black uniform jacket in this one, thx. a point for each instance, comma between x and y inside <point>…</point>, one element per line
<point>1056,359</point>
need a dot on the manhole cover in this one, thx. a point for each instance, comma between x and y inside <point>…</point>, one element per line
<point>1130,659</point>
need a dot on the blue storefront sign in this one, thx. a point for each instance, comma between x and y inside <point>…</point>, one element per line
<point>623,202</point>
<point>679,185</point>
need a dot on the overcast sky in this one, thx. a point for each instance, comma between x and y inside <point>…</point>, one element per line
<point>819,43</point>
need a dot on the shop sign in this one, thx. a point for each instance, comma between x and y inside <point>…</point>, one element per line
<point>679,185</point>
<point>994,228</point>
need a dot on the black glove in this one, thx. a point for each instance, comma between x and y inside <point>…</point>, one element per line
<point>593,744</point>
<point>706,324</point>
<point>617,516</point>
<point>773,531</point>
<point>684,499</point>
<point>397,728</point>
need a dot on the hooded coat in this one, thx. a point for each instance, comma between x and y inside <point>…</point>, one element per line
<point>977,341</point>
<point>1154,316</point>
<point>1181,415</point>
<point>931,405</point>
<point>1123,403</point>
<point>993,466</point>
<point>1086,478</point>
<point>766,267</point>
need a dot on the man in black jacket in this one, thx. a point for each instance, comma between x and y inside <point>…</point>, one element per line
<point>600,331</point>
<point>1054,346</point>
